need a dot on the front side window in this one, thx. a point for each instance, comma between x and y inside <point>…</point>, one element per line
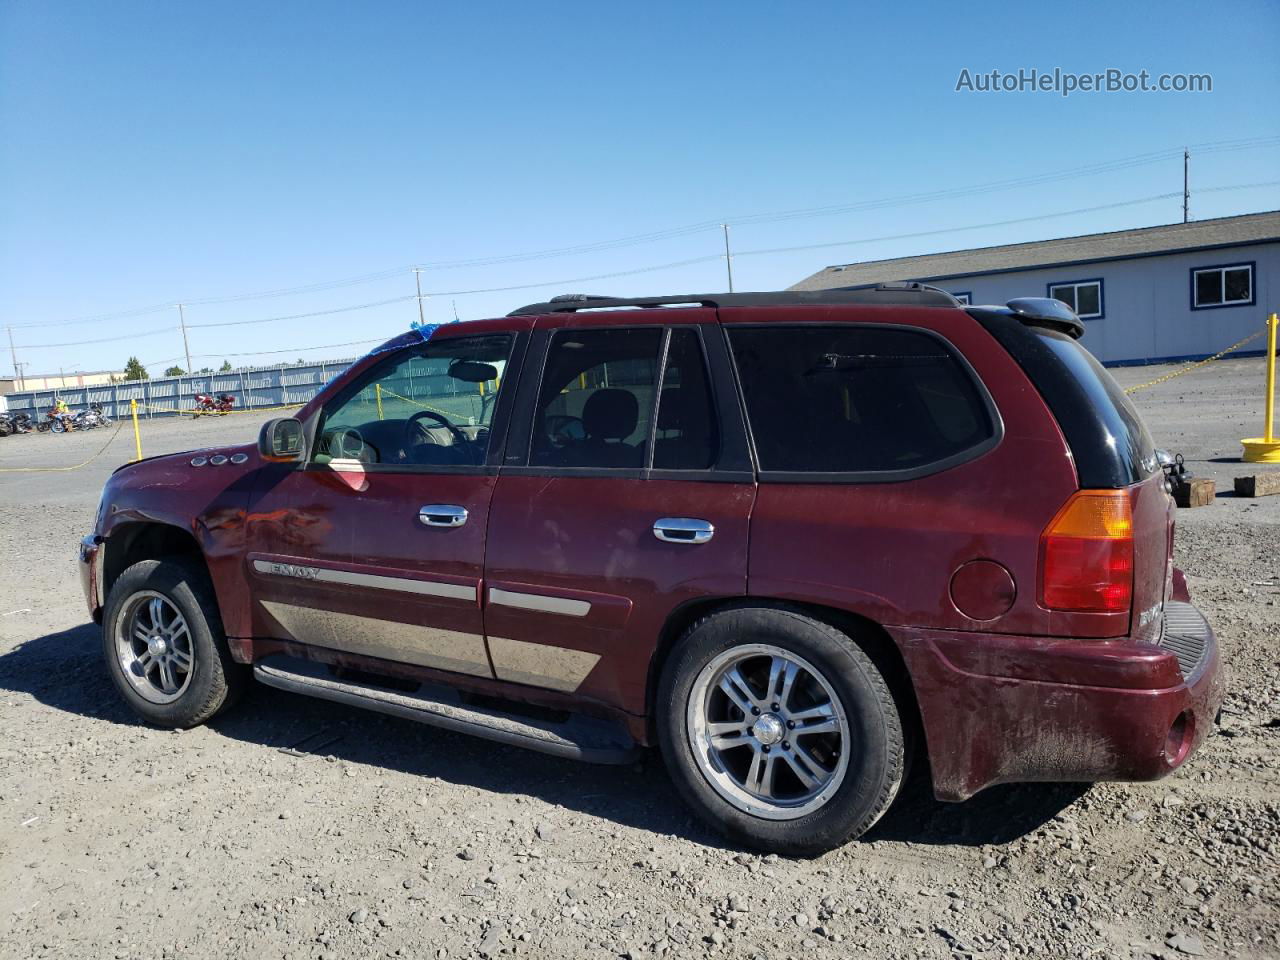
<point>856,399</point>
<point>1229,286</point>
<point>1084,297</point>
<point>429,406</point>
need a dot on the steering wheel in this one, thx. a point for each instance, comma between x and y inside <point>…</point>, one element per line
<point>351,446</point>
<point>414,433</point>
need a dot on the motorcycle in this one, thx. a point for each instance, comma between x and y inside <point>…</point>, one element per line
<point>209,405</point>
<point>59,422</point>
<point>95,416</point>
<point>6,425</point>
<point>21,422</point>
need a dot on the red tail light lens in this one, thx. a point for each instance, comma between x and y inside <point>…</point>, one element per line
<point>1086,554</point>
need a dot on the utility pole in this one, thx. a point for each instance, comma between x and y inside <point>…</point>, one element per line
<point>1186,185</point>
<point>13,353</point>
<point>182,322</point>
<point>417,281</point>
<point>728,259</point>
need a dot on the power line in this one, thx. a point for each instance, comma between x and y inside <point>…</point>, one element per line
<point>654,268</point>
<point>1094,169</point>
<point>302,316</point>
<point>997,223</point>
<point>258,353</point>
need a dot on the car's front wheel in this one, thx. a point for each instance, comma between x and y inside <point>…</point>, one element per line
<point>163,642</point>
<point>779,730</point>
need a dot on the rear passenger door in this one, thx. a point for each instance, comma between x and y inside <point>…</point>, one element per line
<point>625,492</point>
<point>881,465</point>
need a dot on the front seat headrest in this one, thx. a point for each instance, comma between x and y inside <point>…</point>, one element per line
<point>611,414</point>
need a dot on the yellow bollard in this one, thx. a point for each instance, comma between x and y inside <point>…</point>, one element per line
<point>377,389</point>
<point>137,437</point>
<point>1266,449</point>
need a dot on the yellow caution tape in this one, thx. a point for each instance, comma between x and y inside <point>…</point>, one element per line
<point>384,392</point>
<point>77,466</point>
<point>1195,366</point>
<point>142,404</point>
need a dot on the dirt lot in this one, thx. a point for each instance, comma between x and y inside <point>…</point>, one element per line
<point>381,838</point>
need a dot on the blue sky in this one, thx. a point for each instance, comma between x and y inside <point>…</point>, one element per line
<point>155,153</point>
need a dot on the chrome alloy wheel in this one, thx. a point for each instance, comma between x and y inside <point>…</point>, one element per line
<point>768,731</point>
<point>154,647</point>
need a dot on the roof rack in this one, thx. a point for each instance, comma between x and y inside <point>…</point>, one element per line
<point>893,294</point>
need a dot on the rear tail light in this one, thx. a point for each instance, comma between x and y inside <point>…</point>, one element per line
<point>1086,554</point>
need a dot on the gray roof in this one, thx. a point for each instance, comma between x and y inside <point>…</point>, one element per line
<point>1144,241</point>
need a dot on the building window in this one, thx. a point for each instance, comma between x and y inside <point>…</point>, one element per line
<point>964,296</point>
<point>1229,286</point>
<point>1082,296</point>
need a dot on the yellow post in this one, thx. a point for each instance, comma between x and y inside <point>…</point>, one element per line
<point>1266,449</point>
<point>377,389</point>
<point>137,437</point>
<point>1270,420</point>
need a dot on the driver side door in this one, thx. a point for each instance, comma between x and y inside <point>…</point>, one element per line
<point>375,545</point>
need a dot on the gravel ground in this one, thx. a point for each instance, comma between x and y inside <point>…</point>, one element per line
<point>295,829</point>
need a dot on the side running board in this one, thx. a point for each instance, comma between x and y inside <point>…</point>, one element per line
<point>578,737</point>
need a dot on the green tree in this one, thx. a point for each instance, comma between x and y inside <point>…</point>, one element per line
<point>226,367</point>
<point>134,370</point>
<point>173,372</point>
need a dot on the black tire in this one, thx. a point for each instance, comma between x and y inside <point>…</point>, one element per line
<point>875,749</point>
<point>216,680</point>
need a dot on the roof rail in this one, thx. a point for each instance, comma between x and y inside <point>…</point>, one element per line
<point>896,294</point>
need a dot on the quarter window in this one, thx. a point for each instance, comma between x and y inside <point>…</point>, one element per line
<point>430,406</point>
<point>856,399</point>
<point>1084,297</point>
<point>964,297</point>
<point>1228,286</point>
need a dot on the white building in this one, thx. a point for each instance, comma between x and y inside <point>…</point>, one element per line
<point>1182,291</point>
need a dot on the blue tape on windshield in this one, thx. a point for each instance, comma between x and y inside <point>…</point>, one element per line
<point>418,333</point>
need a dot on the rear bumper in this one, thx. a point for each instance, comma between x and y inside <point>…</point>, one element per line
<point>1000,709</point>
<point>91,557</point>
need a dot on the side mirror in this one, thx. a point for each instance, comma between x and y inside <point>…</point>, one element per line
<point>281,440</point>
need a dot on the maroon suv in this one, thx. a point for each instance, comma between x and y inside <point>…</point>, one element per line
<point>794,540</point>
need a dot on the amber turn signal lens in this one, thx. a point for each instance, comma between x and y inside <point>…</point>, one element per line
<point>1086,554</point>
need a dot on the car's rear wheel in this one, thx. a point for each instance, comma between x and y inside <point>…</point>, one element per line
<point>164,646</point>
<point>779,730</point>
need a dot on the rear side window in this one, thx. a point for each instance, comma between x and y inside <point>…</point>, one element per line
<point>1127,436</point>
<point>688,436</point>
<point>596,399</point>
<point>858,399</point>
<point>1109,442</point>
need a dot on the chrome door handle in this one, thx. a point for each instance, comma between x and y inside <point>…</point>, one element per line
<point>442,515</point>
<point>683,530</point>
